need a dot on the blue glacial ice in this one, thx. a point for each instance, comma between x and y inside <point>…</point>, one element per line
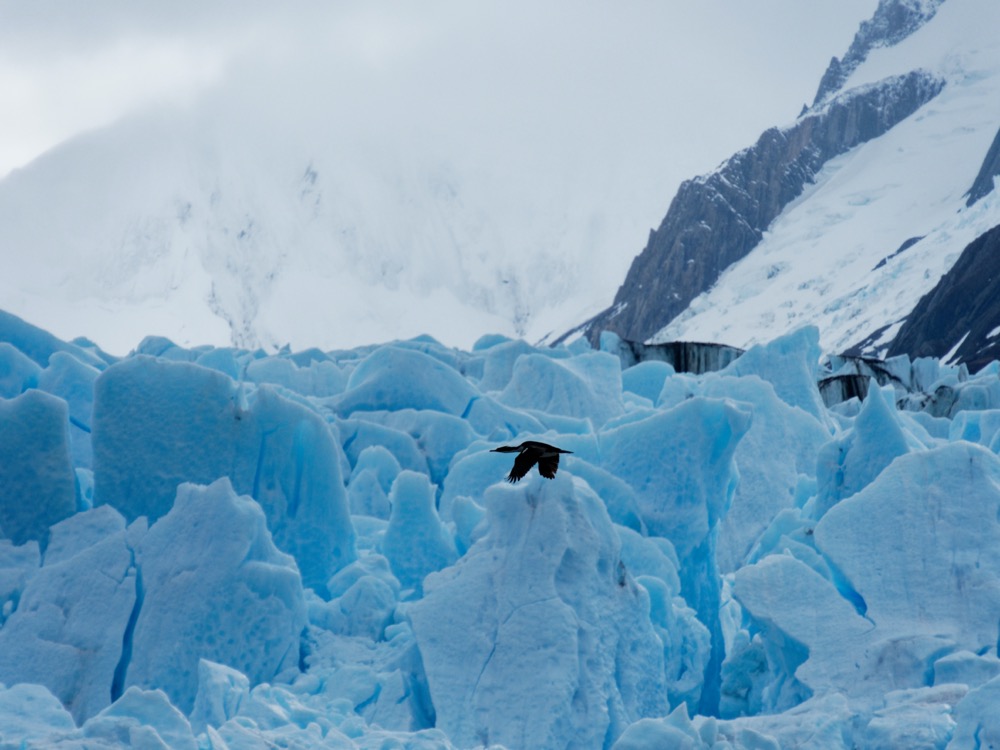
<point>217,548</point>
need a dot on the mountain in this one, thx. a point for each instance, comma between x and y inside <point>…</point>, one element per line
<point>345,179</point>
<point>846,217</point>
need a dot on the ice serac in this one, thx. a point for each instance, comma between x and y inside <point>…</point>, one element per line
<point>18,373</point>
<point>69,625</point>
<point>717,219</point>
<point>932,518</point>
<point>212,583</point>
<point>778,450</point>
<point>73,381</point>
<point>854,459</point>
<point>141,718</point>
<point>37,484</point>
<point>680,465</point>
<point>158,424</point>
<point>393,378</point>
<point>586,386</point>
<point>416,543</point>
<point>538,636</point>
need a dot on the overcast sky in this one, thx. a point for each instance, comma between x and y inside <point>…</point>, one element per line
<point>557,132</point>
<point>622,77</point>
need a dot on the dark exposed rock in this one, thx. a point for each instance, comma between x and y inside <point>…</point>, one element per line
<point>715,220</point>
<point>684,356</point>
<point>892,22</point>
<point>901,249</point>
<point>850,377</point>
<point>983,183</point>
<point>838,388</point>
<point>962,310</point>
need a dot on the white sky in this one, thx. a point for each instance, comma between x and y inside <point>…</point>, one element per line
<point>696,77</point>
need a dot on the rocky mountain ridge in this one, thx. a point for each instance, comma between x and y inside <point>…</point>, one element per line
<point>847,217</point>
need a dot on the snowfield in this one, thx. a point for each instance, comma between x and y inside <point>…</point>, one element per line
<point>220,548</point>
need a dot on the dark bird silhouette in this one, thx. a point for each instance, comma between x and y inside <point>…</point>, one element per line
<point>529,453</point>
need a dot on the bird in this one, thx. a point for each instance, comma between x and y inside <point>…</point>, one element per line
<point>529,453</point>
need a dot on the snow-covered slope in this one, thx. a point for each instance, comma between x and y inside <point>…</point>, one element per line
<point>883,222</point>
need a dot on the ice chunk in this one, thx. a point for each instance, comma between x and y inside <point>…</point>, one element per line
<point>499,360</point>
<point>781,445</point>
<point>586,386</point>
<point>673,731</point>
<point>298,482</point>
<point>73,381</point>
<point>647,378</point>
<point>853,461</point>
<point>39,345</point>
<point>929,517</point>
<point>976,426</point>
<point>916,718</point>
<point>31,717</point>
<point>416,542</point>
<point>213,582</point>
<point>978,722</point>
<point>142,719</point>
<point>221,691</point>
<point>371,480</point>
<point>967,668</point>
<point>74,535</point>
<point>68,629</point>
<point>803,617</point>
<point>363,599</point>
<point>439,436</point>
<point>18,373</point>
<point>37,483</point>
<point>537,637</point>
<point>494,421</point>
<point>470,475</point>
<point>679,464</point>
<point>791,364</point>
<point>224,359</point>
<point>158,424</point>
<point>359,434</point>
<point>17,565</point>
<point>318,378</point>
<point>393,377</point>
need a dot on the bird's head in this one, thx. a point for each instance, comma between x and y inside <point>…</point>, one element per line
<point>507,449</point>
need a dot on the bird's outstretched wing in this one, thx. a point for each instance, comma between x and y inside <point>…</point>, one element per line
<point>522,465</point>
<point>548,466</point>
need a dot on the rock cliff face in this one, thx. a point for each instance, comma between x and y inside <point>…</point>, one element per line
<point>893,21</point>
<point>717,219</point>
<point>962,311</point>
<point>983,183</point>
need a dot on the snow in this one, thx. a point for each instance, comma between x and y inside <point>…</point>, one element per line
<point>826,245</point>
<point>336,560</point>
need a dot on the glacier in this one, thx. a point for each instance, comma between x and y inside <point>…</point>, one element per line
<point>212,548</point>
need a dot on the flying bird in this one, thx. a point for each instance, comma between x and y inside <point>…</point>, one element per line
<point>529,453</point>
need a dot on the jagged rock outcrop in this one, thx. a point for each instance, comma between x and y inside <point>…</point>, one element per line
<point>892,22</point>
<point>717,219</point>
<point>963,310</point>
<point>990,169</point>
